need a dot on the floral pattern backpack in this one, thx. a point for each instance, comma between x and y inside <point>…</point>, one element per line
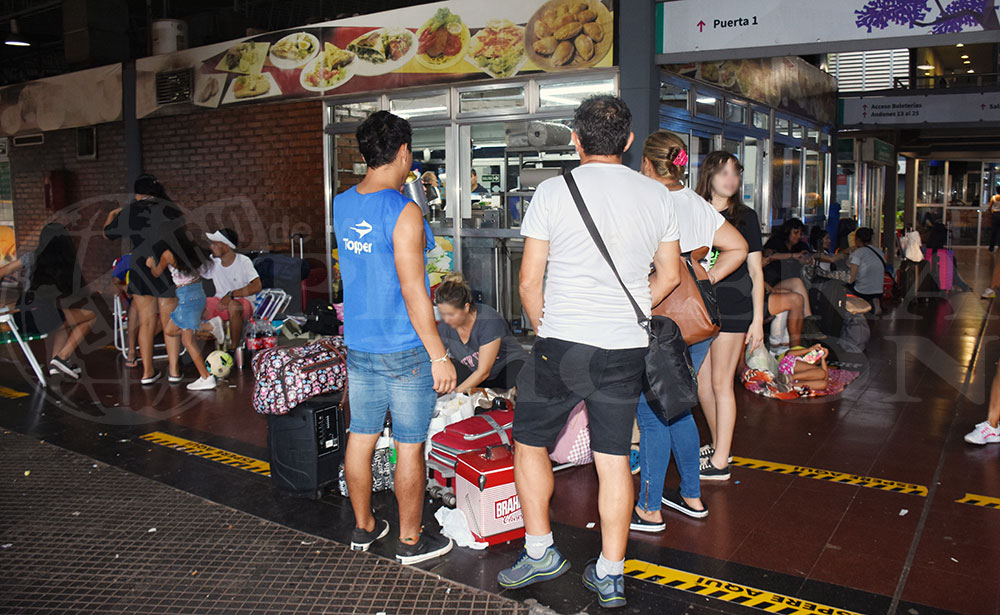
<point>286,377</point>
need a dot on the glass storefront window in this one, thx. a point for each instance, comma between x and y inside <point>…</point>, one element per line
<point>781,126</point>
<point>798,131</point>
<point>785,183</point>
<point>674,96</point>
<point>930,181</point>
<point>813,135</point>
<point>697,152</point>
<point>736,114</point>
<point>761,120</point>
<point>966,180</point>
<point>815,210</point>
<point>501,99</point>
<point>571,93</point>
<point>422,106</point>
<point>844,190</point>
<point>707,105</point>
<point>353,112</point>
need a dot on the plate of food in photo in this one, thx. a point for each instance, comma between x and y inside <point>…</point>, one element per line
<point>498,49</point>
<point>294,50</point>
<point>331,69</point>
<point>567,34</point>
<point>382,51</point>
<point>208,90</point>
<point>251,87</point>
<point>245,58</point>
<point>442,41</point>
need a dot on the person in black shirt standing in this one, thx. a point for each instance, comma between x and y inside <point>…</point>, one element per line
<point>150,222</point>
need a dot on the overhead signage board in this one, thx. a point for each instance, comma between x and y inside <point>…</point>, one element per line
<point>697,30</point>
<point>920,109</point>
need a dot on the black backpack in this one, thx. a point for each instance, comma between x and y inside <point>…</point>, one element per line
<point>321,318</point>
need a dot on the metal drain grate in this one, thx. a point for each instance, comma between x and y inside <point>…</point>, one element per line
<point>76,537</point>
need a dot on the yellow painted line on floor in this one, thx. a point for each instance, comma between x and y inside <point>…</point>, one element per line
<point>980,500</point>
<point>762,600</point>
<point>209,452</point>
<point>8,393</point>
<point>831,476</point>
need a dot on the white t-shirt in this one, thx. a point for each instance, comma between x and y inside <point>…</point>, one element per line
<point>583,301</point>
<point>871,271</point>
<point>696,218</point>
<point>237,275</point>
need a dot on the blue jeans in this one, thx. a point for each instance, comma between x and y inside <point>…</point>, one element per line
<point>401,381</point>
<point>657,439</point>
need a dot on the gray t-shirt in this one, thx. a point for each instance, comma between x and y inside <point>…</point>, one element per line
<point>489,326</point>
<point>871,271</point>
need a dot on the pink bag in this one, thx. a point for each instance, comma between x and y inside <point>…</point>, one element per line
<point>287,376</point>
<point>573,444</point>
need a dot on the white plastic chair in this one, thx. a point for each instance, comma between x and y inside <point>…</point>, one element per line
<point>7,319</point>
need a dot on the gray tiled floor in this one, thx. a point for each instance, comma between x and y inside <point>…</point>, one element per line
<point>77,537</point>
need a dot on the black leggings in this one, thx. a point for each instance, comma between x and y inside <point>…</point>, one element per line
<point>506,379</point>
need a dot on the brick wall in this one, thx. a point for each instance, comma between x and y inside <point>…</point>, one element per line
<point>257,169</point>
<point>93,187</point>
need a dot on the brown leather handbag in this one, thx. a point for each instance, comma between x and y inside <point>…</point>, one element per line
<point>692,305</point>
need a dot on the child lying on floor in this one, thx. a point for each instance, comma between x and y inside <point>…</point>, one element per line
<point>806,367</point>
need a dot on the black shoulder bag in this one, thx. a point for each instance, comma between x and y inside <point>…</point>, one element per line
<point>671,384</point>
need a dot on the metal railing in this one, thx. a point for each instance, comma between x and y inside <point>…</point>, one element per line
<point>945,82</point>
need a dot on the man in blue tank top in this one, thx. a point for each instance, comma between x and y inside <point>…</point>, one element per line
<point>396,361</point>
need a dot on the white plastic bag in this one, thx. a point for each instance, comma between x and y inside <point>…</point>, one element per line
<point>454,525</point>
<point>450,408</point>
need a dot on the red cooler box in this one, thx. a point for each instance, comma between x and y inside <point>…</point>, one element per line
<point>485,491</point>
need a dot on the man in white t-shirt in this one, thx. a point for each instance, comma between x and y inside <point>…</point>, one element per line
<point>236,283</point>
<point>590,346</point>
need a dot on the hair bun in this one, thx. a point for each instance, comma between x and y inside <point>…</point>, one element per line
<point>455,277</point>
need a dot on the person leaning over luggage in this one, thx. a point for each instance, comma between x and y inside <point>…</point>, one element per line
<point>477,337</point>
<point>701,226</point>
<point>589,345</point>
<point>395,358</point>
<point>236,283</point>
<point>867,268</point>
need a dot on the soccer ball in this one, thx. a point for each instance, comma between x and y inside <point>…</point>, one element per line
<point>219,363</point>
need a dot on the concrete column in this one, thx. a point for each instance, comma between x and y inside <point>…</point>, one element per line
<point>133,138</point>
<point>910,192</point>
<point>639,76</point>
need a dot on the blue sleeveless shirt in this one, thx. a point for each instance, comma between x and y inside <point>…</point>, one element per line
<point>375,316</point>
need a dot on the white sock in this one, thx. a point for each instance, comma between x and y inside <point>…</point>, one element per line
<point>606,567</point>
<point>536,545</point>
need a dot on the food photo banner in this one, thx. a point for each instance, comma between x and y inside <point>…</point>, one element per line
<point>439,43</point>
<point>84,98</point>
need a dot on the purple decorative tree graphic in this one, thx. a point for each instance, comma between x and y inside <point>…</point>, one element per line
<point>957,16</point>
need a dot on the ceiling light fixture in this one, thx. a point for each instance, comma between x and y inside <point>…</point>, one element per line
<point>925,66</point>
<point>967,62</point>
<point>965,56</point>
<point>14,39</point>
<point>960,45</point>
<point>970,71</point>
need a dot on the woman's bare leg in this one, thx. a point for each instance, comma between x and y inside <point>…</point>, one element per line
<point>146,307</point>
<point>187,336</point>
<point>797,286</point>
<point>706,398</point>
<point>166,305</point>
<point>726,350</point>
<point>78,323</point>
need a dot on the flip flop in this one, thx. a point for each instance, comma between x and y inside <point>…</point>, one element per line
<point>133,362</point>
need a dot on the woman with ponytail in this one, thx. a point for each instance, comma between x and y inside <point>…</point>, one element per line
<point>485,352</point>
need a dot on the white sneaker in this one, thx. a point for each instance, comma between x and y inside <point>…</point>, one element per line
<point>989,293</point>
<point>984,433</point>
<point>218,331</point>
<point>202,384</point>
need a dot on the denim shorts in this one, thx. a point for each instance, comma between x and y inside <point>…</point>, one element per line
<point>190,305</point>
<point>399,383</point>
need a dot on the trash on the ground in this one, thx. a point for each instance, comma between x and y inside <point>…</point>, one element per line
<point>312,542</point>
<point>7,545</point>
<point>903,511</point>
<point>124,440</point>
<point>736,482</point>
<point>591,525</point>
<point>151,530</point>
<point>447,591</point>
<point>454,525</point>
<point>194,572</point>
<point>954,560</point>
<point>116,556</point>
<point>76,513</point>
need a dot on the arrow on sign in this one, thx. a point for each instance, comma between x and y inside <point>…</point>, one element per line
<point>983,107</point>
<point>864,114</point>
<point>701,26</point>
<point>865,107</point>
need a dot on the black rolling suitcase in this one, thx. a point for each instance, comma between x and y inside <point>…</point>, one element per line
<point>307,445</point>
<point>828,300</point>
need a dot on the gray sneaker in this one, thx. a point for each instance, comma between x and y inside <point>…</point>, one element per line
<point>610,590</point>
<point>527,571</point>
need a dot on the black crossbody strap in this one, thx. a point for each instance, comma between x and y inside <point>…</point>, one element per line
<point>603,249</point>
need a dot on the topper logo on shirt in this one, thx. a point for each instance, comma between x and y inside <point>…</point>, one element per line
<point>358,246</point>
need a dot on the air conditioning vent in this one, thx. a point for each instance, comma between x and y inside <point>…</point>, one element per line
<point>174,86</point>
<point>24,140</point>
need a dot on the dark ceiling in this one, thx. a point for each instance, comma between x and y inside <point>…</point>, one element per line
<point>127,21</point>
